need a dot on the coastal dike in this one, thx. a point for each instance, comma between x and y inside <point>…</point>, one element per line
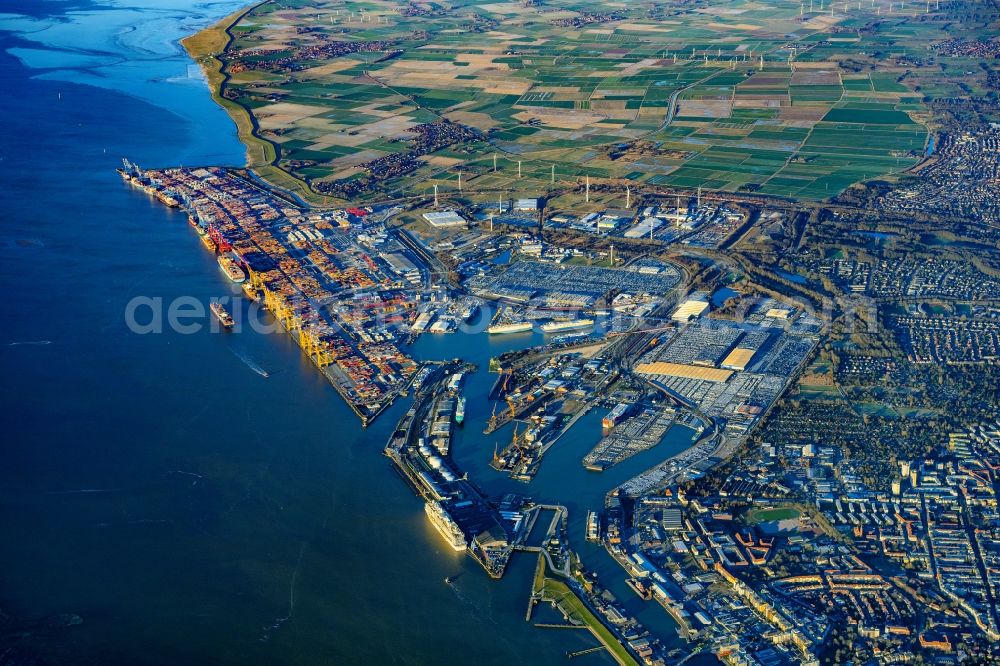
<point>206,48</point>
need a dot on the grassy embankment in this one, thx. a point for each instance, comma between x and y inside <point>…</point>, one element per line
<point>204,48</point>
<point>550,589</point>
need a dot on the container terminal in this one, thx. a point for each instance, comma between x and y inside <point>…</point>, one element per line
<point>337,298</point>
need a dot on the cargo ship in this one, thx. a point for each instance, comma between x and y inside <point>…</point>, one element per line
<point>500,329</point>
<point>566,325</point>
<point>460,410</point>
<point>207,241</point>
<point>231,269</point>
<point>445,525</point>
<point>133,175</point>
<point>593,527</point>
<point>616,415</point>
<point>166,198</point>
<point>219,310</point>
<point>250,291</point>
<point>130,178</point>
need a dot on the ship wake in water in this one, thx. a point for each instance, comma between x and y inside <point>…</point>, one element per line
<point>249,362</point>
<point>477,609</point>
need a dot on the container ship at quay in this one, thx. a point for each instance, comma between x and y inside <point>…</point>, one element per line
<point>445,525</point>
<point>135,177</point>
<point>231,269</point>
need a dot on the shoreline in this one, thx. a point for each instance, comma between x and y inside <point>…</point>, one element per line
<point>204,48</point>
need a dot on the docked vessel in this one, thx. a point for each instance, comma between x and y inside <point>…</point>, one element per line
<point>500,329</point>
<point>207,241</point>
<point>231,269</point>
<point>445,525</point>
<point>593,527</point>
<point>166,198</point>
<point>250,291</point>
<point>469,312</point>
<point>566,325</point>
<point>219,310</point>
<point>460,410</point>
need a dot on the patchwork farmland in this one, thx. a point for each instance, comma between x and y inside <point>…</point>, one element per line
<point>374,100</point>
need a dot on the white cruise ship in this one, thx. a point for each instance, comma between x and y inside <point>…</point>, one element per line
<point>566,325</point>
<point>445,525</point>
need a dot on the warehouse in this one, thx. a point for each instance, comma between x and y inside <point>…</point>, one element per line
<point>685,371</point>
<point>738,359</point>
<point>445,218</point>
<point>689,310</point>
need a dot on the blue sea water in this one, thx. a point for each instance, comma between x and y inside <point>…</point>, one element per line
<point>160,488</point>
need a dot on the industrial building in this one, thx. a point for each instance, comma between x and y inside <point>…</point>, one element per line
<point>689,310</point>
<point>686,371</point>
<point>403,266</point>
<point>738,359</point>
<point>444,219</point>
<point>644,228</point>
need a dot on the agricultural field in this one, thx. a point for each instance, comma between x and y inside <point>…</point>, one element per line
<point>373,100</point>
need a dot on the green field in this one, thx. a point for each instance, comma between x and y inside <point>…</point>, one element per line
<point>715,97</point>
<point>819,392</point>
<point>755,516</point>
<point>551,589</point>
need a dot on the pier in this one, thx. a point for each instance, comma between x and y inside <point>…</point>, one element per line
<point>463,514</point>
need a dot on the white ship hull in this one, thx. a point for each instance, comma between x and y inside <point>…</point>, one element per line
<point>445,526</point>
